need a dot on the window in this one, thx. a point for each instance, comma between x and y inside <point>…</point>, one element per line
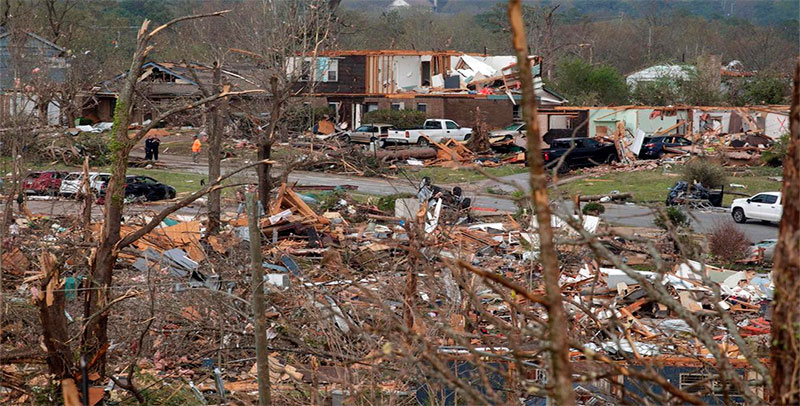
<point>422,107</point>
<point>432,125</point>
<point>693,383</point>
<point>372,107</point>
<point>73,176</point>
<point>757,199</point>
<point>333,70</point>
<point>702,382</point>
<point>516,112</point>
<point>451,125</point>
<point>770,199</point>
<point>363,129</point>
<point>305,70</point>
<point>397,106</point>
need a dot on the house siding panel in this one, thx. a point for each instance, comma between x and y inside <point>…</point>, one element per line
<point>352,74</point>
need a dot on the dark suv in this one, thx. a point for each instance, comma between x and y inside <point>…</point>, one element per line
<point>139,187</point>
<point>653,147</point>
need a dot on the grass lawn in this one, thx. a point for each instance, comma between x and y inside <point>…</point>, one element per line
<point>651,186</point>
<point>181,181</point>
<point>448,175</point>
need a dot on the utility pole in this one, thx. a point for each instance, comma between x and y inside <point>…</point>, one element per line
<point>262,359</point>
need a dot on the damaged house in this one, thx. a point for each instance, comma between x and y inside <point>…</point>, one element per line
<point>166,84</point>
<point>444,84</point>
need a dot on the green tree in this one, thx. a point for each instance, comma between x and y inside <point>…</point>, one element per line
<point>767,89</point>
<point>660,92</point>
<point>585,84</point>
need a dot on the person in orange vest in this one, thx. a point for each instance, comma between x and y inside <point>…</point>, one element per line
<point>196,149</point>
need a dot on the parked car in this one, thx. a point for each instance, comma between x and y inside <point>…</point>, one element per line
<point>140,187</point>
<point>586,152</point>
<point>72,183</point>
<point>43,183</point>
<point>436,130</point>
<point>763,206</point>
<point>368,133</point>
<point>653,147</point>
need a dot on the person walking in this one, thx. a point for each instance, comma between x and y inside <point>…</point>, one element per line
<point>196,150</point>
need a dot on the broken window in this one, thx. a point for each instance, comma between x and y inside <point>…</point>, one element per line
<point>305,71</point>
<point>397,106</point>
<point>422,107</point>
<point>372,107</point>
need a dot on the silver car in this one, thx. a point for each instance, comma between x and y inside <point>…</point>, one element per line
<point>515,132</point>
<point>368,133</point>
<point>71,185</point>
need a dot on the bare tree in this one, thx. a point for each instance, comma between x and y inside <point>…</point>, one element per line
<point>786,313</point>
<point>121,144</point>
<point>282,40</point>
<point>556,321</point>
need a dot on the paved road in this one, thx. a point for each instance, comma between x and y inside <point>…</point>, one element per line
<point>702,221</point>
<point>627,215</point>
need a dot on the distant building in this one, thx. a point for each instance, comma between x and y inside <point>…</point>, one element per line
<point>26,61</point>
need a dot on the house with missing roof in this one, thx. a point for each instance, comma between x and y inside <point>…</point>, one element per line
<point>443,84</point>
<point>163,83</point>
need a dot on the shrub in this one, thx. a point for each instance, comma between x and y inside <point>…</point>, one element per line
<point>727,242</point>
<point>397,118</point>
<point>386,203</point>
<point>773,156</point>
<point>593,209</point>
<point>672,216</point>
<point>709,174</point>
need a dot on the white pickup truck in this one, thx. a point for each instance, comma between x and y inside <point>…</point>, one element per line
<point>435,129</point>
<point>763,206</point>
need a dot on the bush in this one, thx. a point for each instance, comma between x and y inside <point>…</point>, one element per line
<point>728,243</point>
<point>775,154</point>
<point>386,203</point>
<point>593,209</point>
<point>672,216</point>
<point>397,118</point>
<point>709,174</point>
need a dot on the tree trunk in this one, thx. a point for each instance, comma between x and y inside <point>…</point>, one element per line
<point>786,312</point>
<point>561,392</point>
<point>259,308</point>
<point>54,323</point>
<point>214,153</point>
<point>101,268</point>
<point>99,281</point>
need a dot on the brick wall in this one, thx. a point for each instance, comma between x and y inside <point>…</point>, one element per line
<point>494,113</point>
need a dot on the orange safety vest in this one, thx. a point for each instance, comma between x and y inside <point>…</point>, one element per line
<point>196,146</point>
